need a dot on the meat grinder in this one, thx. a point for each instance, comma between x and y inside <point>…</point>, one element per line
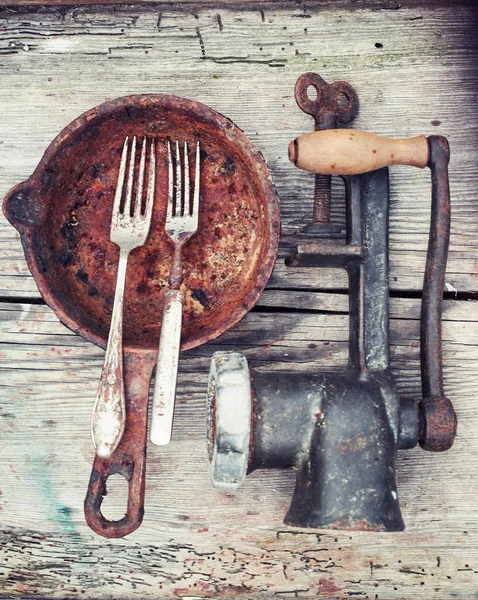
<point>341,431</point>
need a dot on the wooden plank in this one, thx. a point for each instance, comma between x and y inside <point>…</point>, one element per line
<point>326,302</point>
<point>197,542</point>
<point>244,4</point>
<point>245,65</point>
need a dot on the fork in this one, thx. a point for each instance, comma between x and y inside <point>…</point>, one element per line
<point>181,225</point>
<point>130,223</point>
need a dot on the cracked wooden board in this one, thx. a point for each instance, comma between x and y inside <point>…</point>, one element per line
<point>273,564</point>
<point>241,4</point>
<point>197,542</point>
<point>245,64</point>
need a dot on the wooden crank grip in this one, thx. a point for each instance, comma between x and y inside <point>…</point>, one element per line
<point>351,152</point>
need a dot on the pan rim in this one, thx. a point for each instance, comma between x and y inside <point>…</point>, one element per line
<point>233,132</point>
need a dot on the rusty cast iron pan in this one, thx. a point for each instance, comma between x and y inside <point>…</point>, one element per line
<point>63,213</point>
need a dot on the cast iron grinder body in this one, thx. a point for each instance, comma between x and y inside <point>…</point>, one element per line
<point>341,432</point>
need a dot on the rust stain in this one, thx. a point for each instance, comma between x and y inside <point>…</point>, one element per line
<point>353,525</point>
<point>328,588</point>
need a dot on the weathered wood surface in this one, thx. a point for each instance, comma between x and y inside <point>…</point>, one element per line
<point>197,542</point>
<point>240,4</point>
<point>245,65</point>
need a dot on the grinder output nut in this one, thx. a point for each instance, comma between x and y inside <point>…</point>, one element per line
<point>229,413</point>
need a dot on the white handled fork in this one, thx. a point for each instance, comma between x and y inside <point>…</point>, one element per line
<point>130,224</point>
<point>181,225</point>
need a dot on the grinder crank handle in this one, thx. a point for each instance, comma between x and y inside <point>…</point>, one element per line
<point>438,422</point>
<point>347,152</point>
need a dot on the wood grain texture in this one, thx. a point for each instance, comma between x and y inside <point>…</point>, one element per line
<point>247,4</point>
<point>414,69</point>
<point>245,66</point>
<point>197,542</point>
<point>345,152</point>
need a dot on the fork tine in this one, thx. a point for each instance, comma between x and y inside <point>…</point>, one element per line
<point>139,193</point>
<point>148,208</point>
<point>119,185</point>
<point>197,183</point>
<point>170,182</point>
<point>179,195</point>
<point>186,201</point>
<point>129,183</point>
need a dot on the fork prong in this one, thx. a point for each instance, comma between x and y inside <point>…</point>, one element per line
<point>186,199</point>
<point>139,193</point>
<point>148,208</point>
<point>178,210</point>
<point>129,182</point>
<point>170,182</point>
<point>197,183</point>
<point>121,174</point>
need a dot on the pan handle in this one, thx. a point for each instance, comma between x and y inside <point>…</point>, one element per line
<point>23,206</point>
<point>129,458</point>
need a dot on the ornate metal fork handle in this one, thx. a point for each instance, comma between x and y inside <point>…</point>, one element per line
<point>129,229</point>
